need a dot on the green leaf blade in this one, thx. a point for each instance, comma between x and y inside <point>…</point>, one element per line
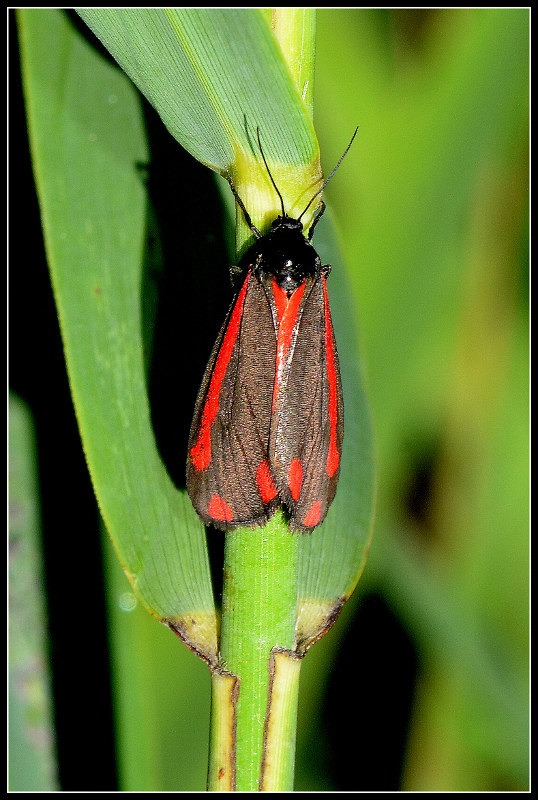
<point>196,68</point>
<point>93,209</point>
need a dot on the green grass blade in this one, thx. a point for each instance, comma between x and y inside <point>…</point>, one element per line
<point>87,139</point>
<point>213,75</point>
<point>32,765</point>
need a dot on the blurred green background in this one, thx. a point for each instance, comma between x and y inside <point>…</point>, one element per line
<point>423,682</point>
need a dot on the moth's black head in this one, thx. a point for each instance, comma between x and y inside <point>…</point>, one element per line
<point>286,254</point>
<point>287,223</point>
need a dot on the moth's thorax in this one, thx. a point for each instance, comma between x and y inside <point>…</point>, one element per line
<point>285,254</point>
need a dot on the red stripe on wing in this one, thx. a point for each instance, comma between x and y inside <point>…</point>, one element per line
<point>286,332</point>
<point>333,456</point>
<point>201,451</point>
<point>281,300</point>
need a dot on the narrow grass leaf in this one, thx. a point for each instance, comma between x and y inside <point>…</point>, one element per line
<point>87,138</point>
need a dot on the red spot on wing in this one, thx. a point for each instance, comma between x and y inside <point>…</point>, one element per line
<point>295,478</point>
<point>333,456</point>
<point>314,515</point>
<point>201,451</point>
<point>265,483</point>
<point>219,509</point>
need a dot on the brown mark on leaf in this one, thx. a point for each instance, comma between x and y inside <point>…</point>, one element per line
<point>187,631</point>
<point>306,638</point>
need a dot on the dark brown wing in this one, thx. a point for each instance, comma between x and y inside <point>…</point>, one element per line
<point>229,479</point>
<point>308,415</point>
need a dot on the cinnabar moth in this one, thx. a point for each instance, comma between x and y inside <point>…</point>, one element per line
<point>268,423</point>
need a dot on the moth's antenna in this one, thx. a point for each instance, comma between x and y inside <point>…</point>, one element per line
<point>319,191</point>
<point>241,205</point>
<point>269,173</point>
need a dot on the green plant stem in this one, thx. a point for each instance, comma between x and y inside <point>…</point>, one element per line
<point>259,609</point>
